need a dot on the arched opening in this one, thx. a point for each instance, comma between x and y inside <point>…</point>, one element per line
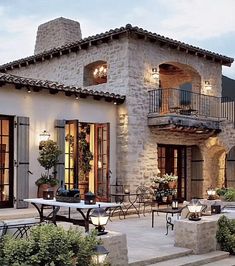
<point>230,168</point>
<point>95,73</point>
<point>180,86</point>
<point>179,76</point>
<point>214,173</point>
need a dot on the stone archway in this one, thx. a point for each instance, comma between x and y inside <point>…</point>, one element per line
<point>175,75</point>
<point>214,167</point>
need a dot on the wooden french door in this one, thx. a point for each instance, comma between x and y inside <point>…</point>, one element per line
<point>102,161</point>
<point>97,141</point>
<point>6,161</point>
<point>172,159</point>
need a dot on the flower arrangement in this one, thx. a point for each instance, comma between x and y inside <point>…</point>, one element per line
<point>158,179</point>
<point>164,179</point>
<point>169,178</point>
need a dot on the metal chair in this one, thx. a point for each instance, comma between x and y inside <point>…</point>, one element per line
<point>17,228</point>
<point>145,197</point>
<point>115,196</point>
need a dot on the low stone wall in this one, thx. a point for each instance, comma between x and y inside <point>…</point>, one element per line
<point>200,236</point>
<point>116,244</point>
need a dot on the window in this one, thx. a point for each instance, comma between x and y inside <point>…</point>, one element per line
<point>95,73</point>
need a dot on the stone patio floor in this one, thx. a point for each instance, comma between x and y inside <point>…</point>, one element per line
<point>144,242</point>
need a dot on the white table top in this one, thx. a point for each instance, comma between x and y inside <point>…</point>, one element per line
<point>80,205</point>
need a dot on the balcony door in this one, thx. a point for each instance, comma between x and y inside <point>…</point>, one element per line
<point>172,159</point>
<point>6,161</point>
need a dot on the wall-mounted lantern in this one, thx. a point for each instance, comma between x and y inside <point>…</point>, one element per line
<point>207,85</point>
<point>155,73</point>
<point>44,136</point>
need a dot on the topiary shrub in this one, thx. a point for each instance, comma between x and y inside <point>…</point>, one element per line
<point>226,234</point>
<point>49,245</point>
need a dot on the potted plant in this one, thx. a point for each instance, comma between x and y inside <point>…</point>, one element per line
<point>48,158</point>
<point>170,180</point>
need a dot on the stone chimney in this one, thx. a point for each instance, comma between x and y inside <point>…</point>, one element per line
<point>56,33</point>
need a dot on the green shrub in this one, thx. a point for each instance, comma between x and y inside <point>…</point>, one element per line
<point>226,234</point>
<point>221,191</point>
<point>230,194</point>
<point>49,245</point>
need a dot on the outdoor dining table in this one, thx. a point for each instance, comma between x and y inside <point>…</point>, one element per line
<point>82,208</point>
<point>167,211</point>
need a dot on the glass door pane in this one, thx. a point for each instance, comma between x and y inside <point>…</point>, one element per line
<point>102,161</point>
<point>6,161</point>
<point>172,159</point>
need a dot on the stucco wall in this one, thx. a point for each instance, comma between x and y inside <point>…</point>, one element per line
<point>43,109</point>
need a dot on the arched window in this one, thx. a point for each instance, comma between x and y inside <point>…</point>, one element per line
<point>95,73</point>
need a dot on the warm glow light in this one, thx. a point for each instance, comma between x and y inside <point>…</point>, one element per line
<point>99,164</point>
<point>100,72</point>
<point>100,255</point>
<point>207,85</point>
<point>44,136</point>
<point>155,73</point>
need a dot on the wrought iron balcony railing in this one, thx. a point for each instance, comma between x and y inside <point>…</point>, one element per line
<point>182,102</point>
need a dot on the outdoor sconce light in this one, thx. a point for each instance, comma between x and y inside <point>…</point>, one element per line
<point>100,255</point>
<point>207,85</point>
<point>211,193</point>
<point>90,198</point>
<point>99,218</point>
<point>44,136</point>
<point>155,73</point>
<point>174,204</point>
<point>194,209</point>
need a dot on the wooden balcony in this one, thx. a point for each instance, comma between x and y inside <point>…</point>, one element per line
<point>185,111</point>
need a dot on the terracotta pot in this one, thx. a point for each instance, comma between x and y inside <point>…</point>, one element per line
<point>172,184</point>
<point>83,187</point>
<point>46,187</point>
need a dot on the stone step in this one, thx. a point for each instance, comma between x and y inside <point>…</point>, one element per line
<point>171,255</point>
<point>195,260</point>
<point>230,261</point>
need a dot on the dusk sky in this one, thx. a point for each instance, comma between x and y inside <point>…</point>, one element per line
<point>208,24</point>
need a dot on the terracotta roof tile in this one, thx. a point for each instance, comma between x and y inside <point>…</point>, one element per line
<point>51,85</point>
<point>224,60</point>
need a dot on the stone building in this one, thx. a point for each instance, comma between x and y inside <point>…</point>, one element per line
<point>146,102</point>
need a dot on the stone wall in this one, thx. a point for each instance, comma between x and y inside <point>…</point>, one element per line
<point>56,33</point>
<point>116,244</point>
<point>199,236</point>
<point>130,64</point>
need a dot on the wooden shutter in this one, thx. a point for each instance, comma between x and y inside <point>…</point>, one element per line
<point>22,180</point>
<point>60,139</point>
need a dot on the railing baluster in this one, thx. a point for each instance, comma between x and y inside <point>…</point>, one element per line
<point>163,100</point>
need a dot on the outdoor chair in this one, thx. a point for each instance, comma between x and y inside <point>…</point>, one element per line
<point>114,197</point>
<point>17,228</point>
<point>145,197</point>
